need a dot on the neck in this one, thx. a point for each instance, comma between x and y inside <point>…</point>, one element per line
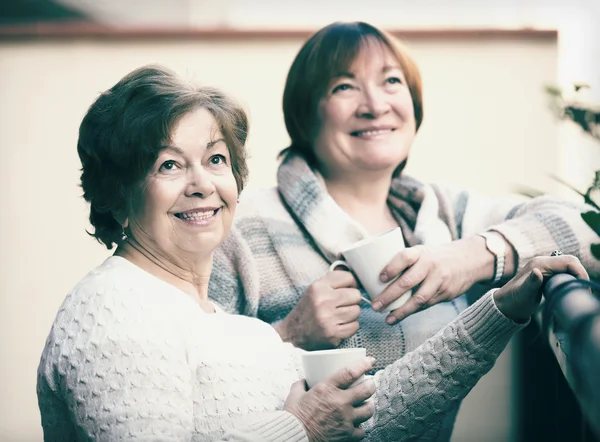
<point>365,200</point>
<point>190,277</point>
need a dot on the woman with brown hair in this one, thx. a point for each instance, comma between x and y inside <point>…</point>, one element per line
<point>353,105</point>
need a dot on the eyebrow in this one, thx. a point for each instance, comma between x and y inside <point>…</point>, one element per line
<point>384,70</point>
<point>392,67</point>
<point>210,144</point>
<point>180,151</point>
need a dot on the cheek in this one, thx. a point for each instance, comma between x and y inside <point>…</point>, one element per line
<point>157,199</point>
<point>227,188</point>
<point>333,115</point>
<point>339,117</point>
<point>404,107</point>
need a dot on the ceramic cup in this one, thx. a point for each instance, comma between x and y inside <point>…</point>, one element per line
<point>322,364</point>
<point>368,257</point>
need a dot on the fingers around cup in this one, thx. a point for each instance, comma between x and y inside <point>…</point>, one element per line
<point>335,265</point>
<point>362,390</point>
<point>346,377</point>
<point>363,412</point>
<point>397,303</point>
<point>339,263</point>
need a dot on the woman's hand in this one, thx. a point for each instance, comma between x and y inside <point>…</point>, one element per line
<point>332,410</point>
<point>435,274</point>
<point>519,298</point>
<point>327,313</point>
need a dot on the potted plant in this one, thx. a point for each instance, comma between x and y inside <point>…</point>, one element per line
<point>587,117</point>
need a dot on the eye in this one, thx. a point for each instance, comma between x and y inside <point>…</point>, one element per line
<point>394,80</point>
<point>341,87</point>
<point>218,159</point>
<point>168,166</point>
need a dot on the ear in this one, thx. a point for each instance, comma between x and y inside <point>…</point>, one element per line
<point>122,219</point>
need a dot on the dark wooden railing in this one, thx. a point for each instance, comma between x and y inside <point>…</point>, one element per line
<point>559,393</point>
<point>571,322</point>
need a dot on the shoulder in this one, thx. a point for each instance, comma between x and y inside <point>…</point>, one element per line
<point>96,289</point>
<point>460,200</point>
<point>115,317</point>
<point>261,214</point>
<point>116,285</point>
<point>114,303</point>
<point>261,203</point>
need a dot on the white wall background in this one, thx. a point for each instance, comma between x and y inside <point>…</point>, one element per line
<point>486,127</point>
<point>576,20</point>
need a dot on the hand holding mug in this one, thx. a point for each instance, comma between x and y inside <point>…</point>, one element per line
<point>327,313</point>
<point>367,258</point>
<point>435,274</point>
<point>334,409</point>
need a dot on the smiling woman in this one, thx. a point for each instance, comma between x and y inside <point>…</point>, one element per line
<point>185,205</point>
<point>349,60</point>
<point>129,126</point>
<point>375,85</point>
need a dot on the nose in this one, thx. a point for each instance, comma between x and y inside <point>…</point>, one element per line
<point>374,103</point>
<point>199,182</point>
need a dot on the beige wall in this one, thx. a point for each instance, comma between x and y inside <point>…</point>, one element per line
<point>486,127</point>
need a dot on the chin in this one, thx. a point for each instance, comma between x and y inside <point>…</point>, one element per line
<point>382,165</point>
<point>204,244</point>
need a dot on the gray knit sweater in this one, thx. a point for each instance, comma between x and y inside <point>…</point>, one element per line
<point>284,239</point>
<point>132,358</point>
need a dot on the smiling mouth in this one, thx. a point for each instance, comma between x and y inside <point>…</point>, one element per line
<point>371,133</point>
<point>197,216</point>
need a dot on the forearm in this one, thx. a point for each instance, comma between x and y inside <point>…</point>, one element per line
<point>419,389</point>
<point>545,225</point>
<point>535,227</point>
<point>483,262</point>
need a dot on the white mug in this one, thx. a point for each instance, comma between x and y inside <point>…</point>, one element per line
<point>322,364</point>
<point>368,257</point>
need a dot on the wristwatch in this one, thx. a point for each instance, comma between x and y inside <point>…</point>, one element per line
<point>496,245</point>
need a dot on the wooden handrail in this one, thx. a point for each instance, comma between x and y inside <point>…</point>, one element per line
<point>78,29</point>
<point>572,317</point>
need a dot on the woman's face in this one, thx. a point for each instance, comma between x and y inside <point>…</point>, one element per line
<point>188,199</point>
<point>366,118</point>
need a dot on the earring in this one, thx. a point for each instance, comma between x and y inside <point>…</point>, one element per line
<point>123,234</point>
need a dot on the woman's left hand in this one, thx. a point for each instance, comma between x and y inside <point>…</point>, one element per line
<point>435,274</point>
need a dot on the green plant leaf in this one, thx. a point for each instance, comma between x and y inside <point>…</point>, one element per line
<point>529,192</point>
<point>553,91</point>
<point>592,219</point>
<point>569,185</point>
<point>595,250</point>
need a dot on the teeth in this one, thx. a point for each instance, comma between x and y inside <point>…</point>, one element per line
<point>195,216</point>
<point>372,132</point>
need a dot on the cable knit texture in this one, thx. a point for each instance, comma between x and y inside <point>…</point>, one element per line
<point>284,239</point>
<point>130,357</point>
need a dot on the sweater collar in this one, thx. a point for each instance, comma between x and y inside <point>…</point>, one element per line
<point>330,227</point>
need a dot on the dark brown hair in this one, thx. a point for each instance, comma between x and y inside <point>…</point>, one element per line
<point>331,50</point>
<point>127,126</point>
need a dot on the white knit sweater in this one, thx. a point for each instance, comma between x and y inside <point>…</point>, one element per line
<point>130,357</point>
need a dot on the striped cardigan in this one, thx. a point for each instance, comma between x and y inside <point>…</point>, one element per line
<point>284,239</point>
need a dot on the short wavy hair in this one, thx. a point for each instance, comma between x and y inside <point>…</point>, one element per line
<point>127,126</point>
<point>329,51</point>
